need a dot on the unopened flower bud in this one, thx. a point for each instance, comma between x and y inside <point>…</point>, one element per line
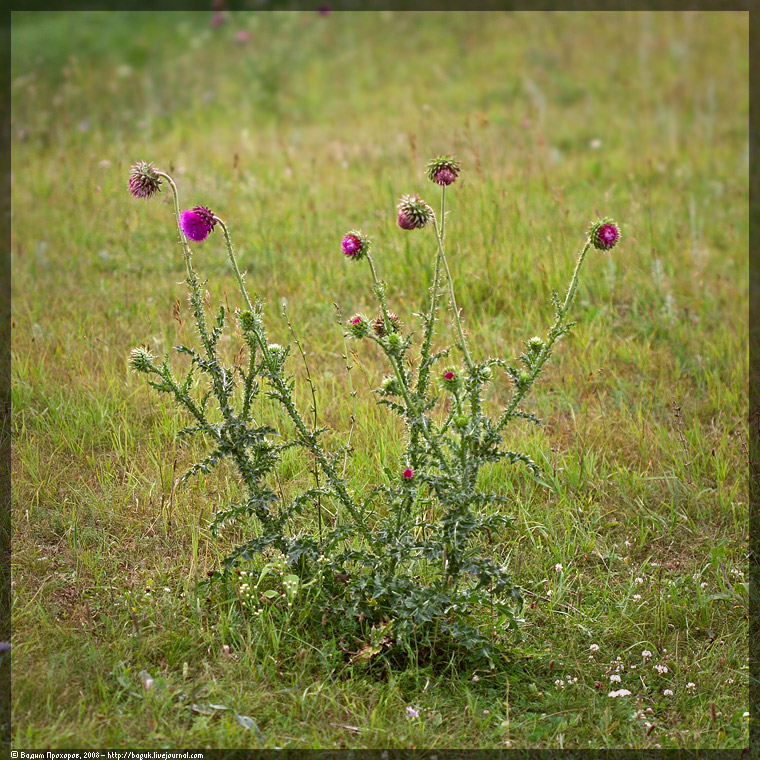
<point>443,170</point>
<point>413,212</point>
<point>247,320</point>
<point>389,386</point>
<point>141,360</point>
<point>604,234</point>
<point>535,344</point>
<point>461,421</point>
<point>394,341</point>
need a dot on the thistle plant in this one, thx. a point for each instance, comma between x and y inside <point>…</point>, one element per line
<point>412,555</point>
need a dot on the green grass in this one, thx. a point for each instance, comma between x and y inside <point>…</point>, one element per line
<point>315,127</point>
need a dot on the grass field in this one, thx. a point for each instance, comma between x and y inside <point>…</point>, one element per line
<point>316,125</point>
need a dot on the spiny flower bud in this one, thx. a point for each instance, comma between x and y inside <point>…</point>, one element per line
<point>197,224</point>
<point>141,360</point>
<point>451,380</point>
<point>485,374</point>
<point>355,245</point>
<point>522,379</point>
<point>535,344</point>
<point>413,212</point>
<point>443,170</point>
<point>275,348</point>
<point>394,341</point>
<point>143,180</point>
<point>247,320</point>
<point>604,234</point>
<point>358,326</point>
<point>378,325</point>
<point>461,421</point>
<point>389,386</point>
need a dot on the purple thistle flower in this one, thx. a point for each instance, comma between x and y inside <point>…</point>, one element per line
<point>408,474</point>
<point>413,212</point>
<point>358,326</point>
<point>197,224</point>
<point>143,180</point>
<point>604,234</point>
<point>355,245</point>
<point>443,170</point>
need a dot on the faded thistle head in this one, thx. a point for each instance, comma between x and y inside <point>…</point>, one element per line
<point>197,224</point>
<point>355,245</point>
<point>443,170</point>
<point>604,234</point>
<point>143,180</point>
<point>379,326</point>
<point>413,212</point>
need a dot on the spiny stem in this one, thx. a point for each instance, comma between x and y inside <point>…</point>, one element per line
<point>554,334</point>
<point>457,317</point>
<point>314,407</point>
<point>233,259</point>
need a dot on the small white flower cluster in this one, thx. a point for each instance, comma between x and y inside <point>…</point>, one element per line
<point>619,693</point>
<point>558,568</point>
<point>661,669</point>
<point>615,678</point>
<point>646,654</point>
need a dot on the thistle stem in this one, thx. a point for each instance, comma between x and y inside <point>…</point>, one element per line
<point>554,334</point>
<point>233,260</point>
<point>457,318</point>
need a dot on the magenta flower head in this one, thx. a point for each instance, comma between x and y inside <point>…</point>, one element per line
<point>443,170</point>
<point>358,326</point>
<point>143,180</point>
<point>378,325</point>
<point>413,212</point>
<point>604,234</point>
<point>408,473</point>
<point>196,224</point>
<point>355,245</point>
<point>451,380</point>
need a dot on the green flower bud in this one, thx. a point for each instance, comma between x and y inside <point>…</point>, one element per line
<point>141,360</point>
<point>394,341</point>
<point>461,421</point>
<point>535,344</point>
<point>390,386</point>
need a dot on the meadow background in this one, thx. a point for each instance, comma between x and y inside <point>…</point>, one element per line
<point>295,127</point>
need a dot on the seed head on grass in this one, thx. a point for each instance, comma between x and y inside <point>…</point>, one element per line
<point>355,245</point>
<point>197,224</point>
<point>604,234</point>
<point>413,212</point>
<point>143,180</point>
<point>443,170</point>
